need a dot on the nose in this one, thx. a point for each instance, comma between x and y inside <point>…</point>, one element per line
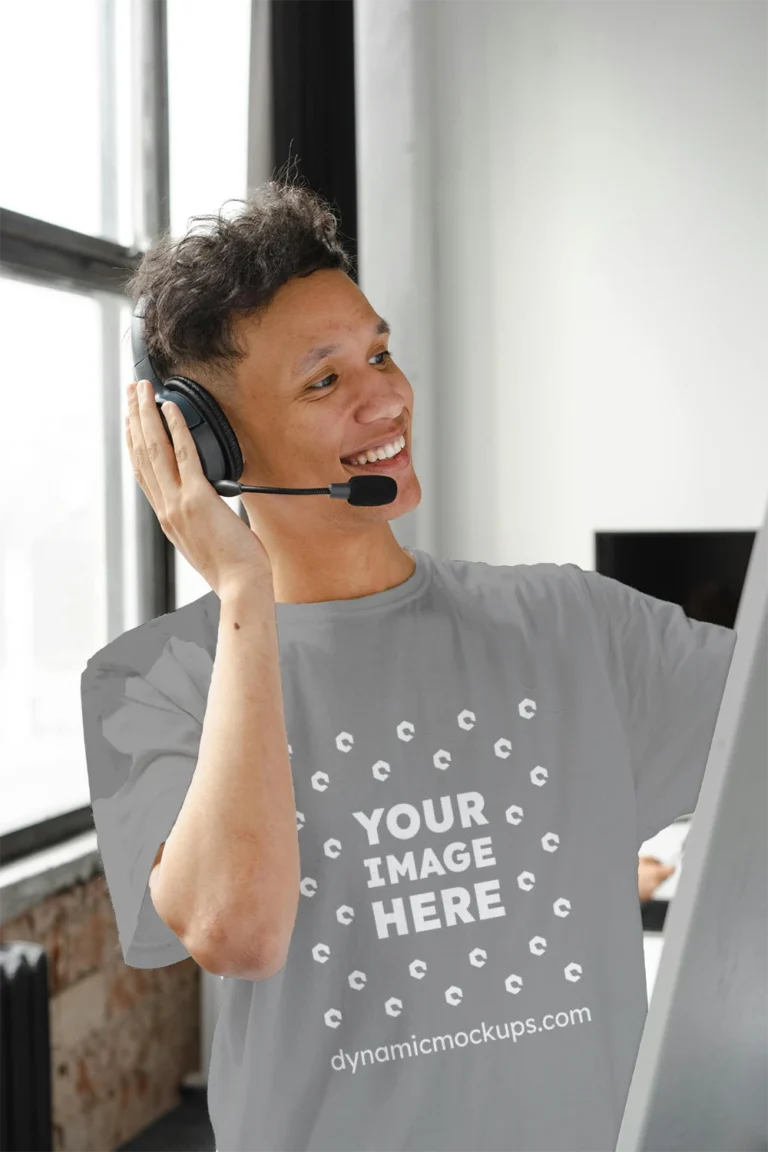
<point>382,404</point>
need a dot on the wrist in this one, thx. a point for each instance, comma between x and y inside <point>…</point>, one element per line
<point>247,590</point>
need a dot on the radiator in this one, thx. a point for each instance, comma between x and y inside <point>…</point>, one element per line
<point>25,1049</point>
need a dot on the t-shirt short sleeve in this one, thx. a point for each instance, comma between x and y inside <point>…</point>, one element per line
<point>667,673</point>
<point>142,734</point>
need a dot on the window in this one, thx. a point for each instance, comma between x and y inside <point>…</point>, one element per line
<point>65,135</point>
<point>207,106</point>
<point>68,581</point>
<point>79,183</point>
<point>54,564</point>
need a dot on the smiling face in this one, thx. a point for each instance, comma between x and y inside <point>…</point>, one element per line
<point>318,385</point>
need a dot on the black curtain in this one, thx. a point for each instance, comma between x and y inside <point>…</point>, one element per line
<point>313,101</point>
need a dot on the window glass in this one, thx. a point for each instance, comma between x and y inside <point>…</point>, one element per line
<point>65,139</point>
<point>207,106</point>
<point>53,590</point>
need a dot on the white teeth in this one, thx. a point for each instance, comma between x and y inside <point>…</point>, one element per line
<point>386,452</point>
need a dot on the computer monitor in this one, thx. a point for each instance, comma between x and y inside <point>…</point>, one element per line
<point>702,571</point>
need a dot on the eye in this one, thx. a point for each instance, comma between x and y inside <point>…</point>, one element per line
<point>319,386</point>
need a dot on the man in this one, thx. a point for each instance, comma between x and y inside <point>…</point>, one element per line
<point>395,801</point>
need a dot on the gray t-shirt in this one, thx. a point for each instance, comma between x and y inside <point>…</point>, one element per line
<point>477,756</point>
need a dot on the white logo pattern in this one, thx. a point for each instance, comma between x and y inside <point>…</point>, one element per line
<point>417,968</point>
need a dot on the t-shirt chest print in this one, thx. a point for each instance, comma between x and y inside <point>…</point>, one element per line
<point>383,883</point>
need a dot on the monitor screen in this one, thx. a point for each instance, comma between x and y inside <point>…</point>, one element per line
<point>703,572</point>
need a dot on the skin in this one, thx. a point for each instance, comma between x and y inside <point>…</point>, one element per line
<point>294,435</point>
<point>650,874</point>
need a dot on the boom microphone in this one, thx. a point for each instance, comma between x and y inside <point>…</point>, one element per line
<point>364,491</point>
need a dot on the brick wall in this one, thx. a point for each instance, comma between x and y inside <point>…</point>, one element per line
<point>122,1038</point>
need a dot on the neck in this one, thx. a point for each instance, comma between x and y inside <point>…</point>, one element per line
<point>337,566</point>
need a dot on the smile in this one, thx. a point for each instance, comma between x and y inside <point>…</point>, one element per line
<point>394,464</point>
<point>384,451</point>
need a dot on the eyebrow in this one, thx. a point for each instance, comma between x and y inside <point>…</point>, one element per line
<point>315,355</point>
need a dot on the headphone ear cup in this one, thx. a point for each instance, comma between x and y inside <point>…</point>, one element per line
<point>217,446</point>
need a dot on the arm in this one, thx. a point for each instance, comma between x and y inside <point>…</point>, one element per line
<point>666,674</point>
<point>227,878</point>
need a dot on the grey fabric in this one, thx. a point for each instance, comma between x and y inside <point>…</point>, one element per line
<point>477,756</point>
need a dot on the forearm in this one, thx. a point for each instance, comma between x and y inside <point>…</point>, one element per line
<point>229,875</point>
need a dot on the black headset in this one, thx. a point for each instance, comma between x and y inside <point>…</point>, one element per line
<point>220,456</point>
<point>217,446</point>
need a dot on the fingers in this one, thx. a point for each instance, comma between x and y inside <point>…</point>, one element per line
<point>159,447</point>
<point>135,440</point>
<point>653,864</point>
<point>154,454</point>
<point>183,446</point>
<point>162,461</point>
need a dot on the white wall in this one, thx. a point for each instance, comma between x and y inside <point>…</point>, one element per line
<point>393,135</point>
<point>594,181</point>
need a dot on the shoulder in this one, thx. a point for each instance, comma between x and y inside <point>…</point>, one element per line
<point>193,622</point>
<point>500,585</point>
<point>186,637</point>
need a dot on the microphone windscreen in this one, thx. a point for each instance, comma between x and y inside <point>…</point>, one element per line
<point>369,491</point>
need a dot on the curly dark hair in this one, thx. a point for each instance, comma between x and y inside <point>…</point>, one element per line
<point>231,268</point>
